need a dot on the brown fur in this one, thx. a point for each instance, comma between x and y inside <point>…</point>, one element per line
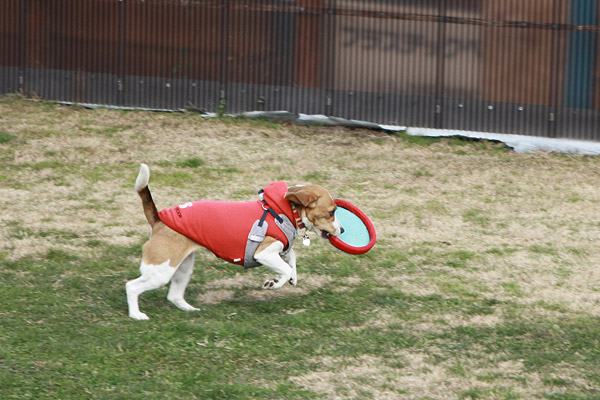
<point>167,245</point>
<point>149,207</point>
<point>268,240</point>
<point>316,202</point>
<point>301,195</point>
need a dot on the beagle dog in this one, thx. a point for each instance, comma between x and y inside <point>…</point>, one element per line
<point>250,233</point>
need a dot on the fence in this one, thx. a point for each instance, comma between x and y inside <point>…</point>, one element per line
<point>518,66</point>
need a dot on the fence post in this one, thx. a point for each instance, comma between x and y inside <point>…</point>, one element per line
<point>224,70</point>
<point>329,65</point>
<point>121,53</point>
<point>440,69</point>
<point>554,101</point>
<point>21,48</point>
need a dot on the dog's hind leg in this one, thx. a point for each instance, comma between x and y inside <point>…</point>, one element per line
<point>153,277</point>
<point>179,282</point>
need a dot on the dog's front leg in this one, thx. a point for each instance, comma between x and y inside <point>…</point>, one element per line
<point>290,258</point>
<point>269,257</point>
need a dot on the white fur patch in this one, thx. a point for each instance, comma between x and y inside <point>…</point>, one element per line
<point>153,277</point>
<point>142,178</point>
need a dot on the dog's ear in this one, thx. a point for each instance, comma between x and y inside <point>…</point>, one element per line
<point>301,195</point>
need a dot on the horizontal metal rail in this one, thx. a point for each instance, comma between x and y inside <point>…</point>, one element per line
<point>440,19</point>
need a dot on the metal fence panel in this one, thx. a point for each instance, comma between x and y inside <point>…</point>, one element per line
<point>517,66</point>
<point>12,37</point>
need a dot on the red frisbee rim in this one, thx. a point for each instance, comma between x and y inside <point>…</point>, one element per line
<point>345,247</point>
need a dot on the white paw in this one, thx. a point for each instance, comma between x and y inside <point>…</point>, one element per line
<point>274,283</point>
<point>187,307</point>
<point>294,278</point>
<point>184,305</point>
<point>139,316</point>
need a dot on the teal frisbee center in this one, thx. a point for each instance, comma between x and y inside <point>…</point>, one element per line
<point>355,233</point>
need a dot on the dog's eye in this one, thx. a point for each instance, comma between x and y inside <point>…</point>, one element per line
<point>329,214</point>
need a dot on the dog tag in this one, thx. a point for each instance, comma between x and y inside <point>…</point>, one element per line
<point>305,240</point>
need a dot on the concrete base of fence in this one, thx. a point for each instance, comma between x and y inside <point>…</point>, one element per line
<point>519,143</point>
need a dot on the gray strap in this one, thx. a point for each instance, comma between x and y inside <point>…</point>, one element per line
<point>255,237</point>
<point>289,230</point>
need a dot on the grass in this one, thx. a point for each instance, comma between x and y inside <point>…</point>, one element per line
<point>76,338</point>
<point>483,283</point>
<point>6,137</point>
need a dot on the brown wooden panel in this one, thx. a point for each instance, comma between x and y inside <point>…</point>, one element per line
<point>9,33</point>
<point>251,55</point>
<point>72,35</point>
<point>519,64</point>
<point>170,40</point>
<point>309,39</point>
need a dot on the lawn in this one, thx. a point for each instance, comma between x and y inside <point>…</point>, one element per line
<point>484,282</point>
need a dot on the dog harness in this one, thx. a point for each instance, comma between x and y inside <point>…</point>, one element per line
<point>233,230</point>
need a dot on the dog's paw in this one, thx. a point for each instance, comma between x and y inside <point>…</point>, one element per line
<point>183,305</point>
<point>187,307</point>
<point>270,283</point>
<point>275,283</point>
<point>294,279</point>
<point>139,316</point>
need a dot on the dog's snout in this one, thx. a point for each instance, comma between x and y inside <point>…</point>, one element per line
<point>337,227</point>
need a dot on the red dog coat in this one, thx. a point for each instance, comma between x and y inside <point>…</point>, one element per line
<point>223,227</point>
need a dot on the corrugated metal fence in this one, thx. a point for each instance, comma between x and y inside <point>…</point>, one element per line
<point>518,66</point>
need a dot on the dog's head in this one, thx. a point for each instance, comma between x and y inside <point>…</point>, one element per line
<point>317,209</point>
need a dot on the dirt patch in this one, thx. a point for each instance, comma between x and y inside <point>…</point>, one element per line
<point>236,282</point>
<point>215,296</point>
<point>413,376</point>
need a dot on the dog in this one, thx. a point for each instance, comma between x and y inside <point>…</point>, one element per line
<point>250,233</point>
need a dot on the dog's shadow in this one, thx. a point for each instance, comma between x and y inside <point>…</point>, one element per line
<point>241,287</point>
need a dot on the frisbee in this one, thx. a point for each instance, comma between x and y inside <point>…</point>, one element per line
<point>359,233</point>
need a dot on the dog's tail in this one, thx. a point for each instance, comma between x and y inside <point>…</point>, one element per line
<point>141,186</point>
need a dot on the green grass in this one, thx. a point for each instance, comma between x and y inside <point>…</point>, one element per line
<point>193,162</point>
<point>477,217</point>
<point>318,177</point>
<point>68,329</point>
<point>6,137</point>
